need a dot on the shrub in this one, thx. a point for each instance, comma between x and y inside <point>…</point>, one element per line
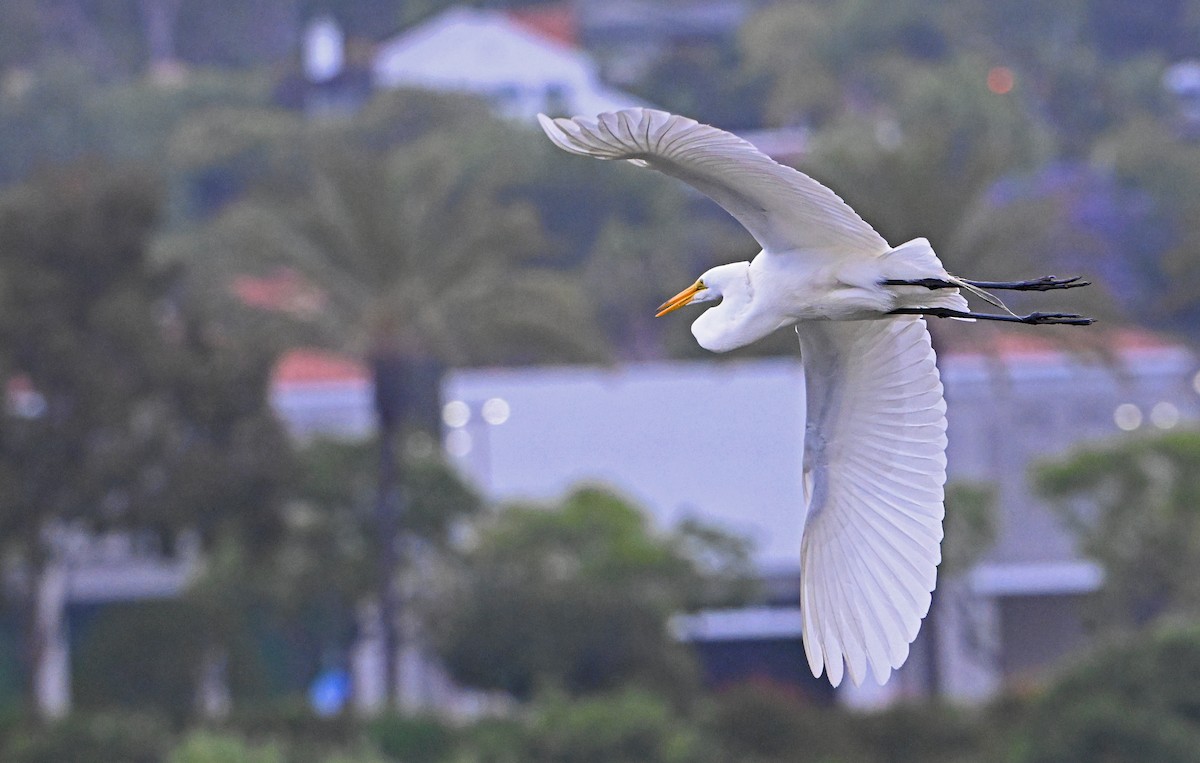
<point>496,740</point>
<point>412,739</point>
<point>1134,700</point>
<point>761,722</point>
<point>293,720</point>
<point>920,733</point>
<point>631,726</point>
<point>98,738</point>
<point>212,747</point>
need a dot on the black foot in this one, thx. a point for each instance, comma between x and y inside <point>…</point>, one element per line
<point>1033,319</point>
<point>1045,283</point>
<point>1062,319</point>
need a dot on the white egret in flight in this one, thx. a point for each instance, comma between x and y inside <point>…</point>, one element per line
<point>875,439</point>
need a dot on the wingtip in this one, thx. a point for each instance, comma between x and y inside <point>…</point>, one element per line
<point>547,124</point>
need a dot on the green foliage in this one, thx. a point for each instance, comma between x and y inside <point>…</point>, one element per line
<point>630,726</point>
<point>142,656</point>
<point>1134,506</point>
<point>760,723</point>
<point>328,544</point>
<point>945,140</point>
<point>920,733</point>
<point>412,739</point>
<point>495,740</point>
<point>158,425</point>
<point>970,525</point>
<point>576,596</point>
<point>101,738</point>
<point>1133,700</point>
<point>151,424</point>
<point>291,722</point>
<point>422,238</point>
<point>210,747</point>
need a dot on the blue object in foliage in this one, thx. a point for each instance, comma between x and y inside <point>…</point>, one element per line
<point>329,692</point>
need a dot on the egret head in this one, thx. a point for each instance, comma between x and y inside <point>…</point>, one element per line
<point>712,285</point>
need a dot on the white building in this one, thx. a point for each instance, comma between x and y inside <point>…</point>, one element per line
<point>492,54</point>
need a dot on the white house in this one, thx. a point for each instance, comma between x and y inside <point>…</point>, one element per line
<point>492,54</point>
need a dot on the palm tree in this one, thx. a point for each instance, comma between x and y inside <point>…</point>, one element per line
<point>421,255</point>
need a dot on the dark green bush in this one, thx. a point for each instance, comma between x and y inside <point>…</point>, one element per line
<point>412,739</point>
<point>919,733</point>
<point>763,723</point>
<point>305,735</point>
<point>630,726</point>
<point>140,656</point>
<point>212,747</point>
<point>94,738</point>
<point>1134,700</point>
<point>496,740</point>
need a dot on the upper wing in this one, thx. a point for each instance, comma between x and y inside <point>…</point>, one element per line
<point>875,466</point>
<point>783,209</point>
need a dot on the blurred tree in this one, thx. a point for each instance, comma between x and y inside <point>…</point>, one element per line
<point>1134,506</point>
<point>970,526</point>
<point>60,112</point>
<point>136,416</point>
<point>579,597</point>
<point>914,169</point>
<point>421,246</point>
<point>1159,172</point>
<point>422,241</point>
<point>707,82</point>
<point>760,722</point>
<point>1134,699</point>
<point>93,738</point>
<point>326,563</point>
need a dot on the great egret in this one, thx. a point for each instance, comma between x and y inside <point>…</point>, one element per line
<point>875,439</point>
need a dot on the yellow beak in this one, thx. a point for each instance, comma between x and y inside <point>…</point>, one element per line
<point>679,300</point>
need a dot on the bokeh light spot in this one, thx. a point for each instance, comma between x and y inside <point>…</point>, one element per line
<point>1128,416</point>
<point>1164,415</point>
<point>1000,80</point>
<point>496,411</point>
<point>456,414</point>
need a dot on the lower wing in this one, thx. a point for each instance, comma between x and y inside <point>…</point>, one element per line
<point>875,467</point>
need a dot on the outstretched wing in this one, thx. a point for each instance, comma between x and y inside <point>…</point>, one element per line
<point>784,209</point>
<point>875,466</point>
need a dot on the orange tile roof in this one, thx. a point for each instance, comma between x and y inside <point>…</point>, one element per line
<point>554,22</point>
<point>313,366</point>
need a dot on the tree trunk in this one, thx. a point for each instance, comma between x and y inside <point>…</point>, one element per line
<point>46,660</point>
<point>387,521</point>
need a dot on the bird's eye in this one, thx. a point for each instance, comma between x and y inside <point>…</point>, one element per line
<point>700,285</point>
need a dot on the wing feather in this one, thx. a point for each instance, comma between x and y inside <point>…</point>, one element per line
<point>876,466</point>
<point>784,209</point>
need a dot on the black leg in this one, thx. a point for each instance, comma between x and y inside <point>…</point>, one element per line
<point>1033,319</point>
<point>1045,283</point>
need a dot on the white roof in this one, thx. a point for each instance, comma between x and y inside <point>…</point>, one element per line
<point>747,623</point>
<point>486,52</point>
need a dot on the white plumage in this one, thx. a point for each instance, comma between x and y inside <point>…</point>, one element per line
<point>874,454</point>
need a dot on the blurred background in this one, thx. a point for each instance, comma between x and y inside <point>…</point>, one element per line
<point>337,425</point>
